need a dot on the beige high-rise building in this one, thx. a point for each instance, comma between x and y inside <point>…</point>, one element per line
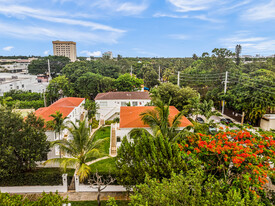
<point>65,48</point>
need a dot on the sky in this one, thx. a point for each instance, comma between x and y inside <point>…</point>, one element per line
<point>137,28</point>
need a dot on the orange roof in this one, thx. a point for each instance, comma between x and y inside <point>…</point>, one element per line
<point>64,106</point>
<point>130,117</point>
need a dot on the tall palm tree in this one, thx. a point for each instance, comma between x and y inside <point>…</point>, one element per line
<point>206,109</point>
<point>79,149</point>
<point>57,124</point>
<point>158,120</point>
<point>193,106</point>
<point>92,108</point>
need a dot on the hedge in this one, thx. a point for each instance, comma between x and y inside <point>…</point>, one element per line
<point>42,176</point>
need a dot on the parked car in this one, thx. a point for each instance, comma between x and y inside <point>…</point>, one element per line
<point>213,130</point>
<point>199,120</point>
<point>226,121</point>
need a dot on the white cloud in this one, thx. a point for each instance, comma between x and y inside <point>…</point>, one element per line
<point>46,52</point>
<point>52,16</point>
<point>8,48</point>
<point>42,33</point>
<point>179,36</point>
<point>176,16</point>
<point>193,5</point>
<point>261,12</point>
<point>94,54</point>
<point>131,8</point>
<point>250,44</point>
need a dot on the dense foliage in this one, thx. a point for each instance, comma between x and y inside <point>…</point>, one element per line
<point>240,158</point>
<point>173,94</point>
<point>19,200</point>
<point>156,157</point>
<point>38,176</point>
<point>22,142</point>
<point>40,66</point>
<point>22,99</point>
<point>191,188</point>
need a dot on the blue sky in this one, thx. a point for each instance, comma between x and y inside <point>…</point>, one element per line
<point>154,28</point>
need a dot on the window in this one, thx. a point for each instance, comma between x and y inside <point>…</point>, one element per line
<point>123,104</point>
<point>103,104</point>
<point>118,139</point>
<point>135,103</point>
<point>22,85</point>
<point>17,87</point>
<point>57,150</point>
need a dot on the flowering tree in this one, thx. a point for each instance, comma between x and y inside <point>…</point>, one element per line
<point>242,159</point>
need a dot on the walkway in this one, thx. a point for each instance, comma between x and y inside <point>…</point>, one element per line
<point>96,160</point>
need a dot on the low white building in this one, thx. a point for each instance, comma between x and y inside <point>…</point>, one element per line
<point>130,119</point>
<point>30,83</point>
<point>268,122</point>
<point>70,107</point>
<point>109,103</point>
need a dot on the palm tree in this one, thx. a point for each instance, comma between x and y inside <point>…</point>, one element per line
<point>193,106</point>
<point>92,108</point>
<point>158,120</point>
<point>206,109</point>
<point>79,150</point>
<point>57,123</point>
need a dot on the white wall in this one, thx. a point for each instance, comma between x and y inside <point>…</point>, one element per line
<point>87,188</point>
<point>37,189</point>
<point>72,117</point>
<point>107,108</point>
<point>268,122</point>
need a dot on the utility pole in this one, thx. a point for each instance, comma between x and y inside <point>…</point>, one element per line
<point>49,70</point>
<point>178,78</point>
<point>159,72</point>
<point>225,87</point>
<point>131,70</point>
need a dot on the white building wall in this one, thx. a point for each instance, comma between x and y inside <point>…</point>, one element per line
<point>107,108</point>
<point>72,117</point>
<point>24,82</point>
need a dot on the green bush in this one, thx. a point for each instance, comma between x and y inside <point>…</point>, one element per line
<point>192,188</point>
<point>95,123</point>
<point>35,104</point>
<point>18,200</point>
<point>23,95</point>
<point>109,122</point>
<point>43,176</point>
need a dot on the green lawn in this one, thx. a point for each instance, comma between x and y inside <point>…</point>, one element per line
<point>103,133</point>
<point>105,166</point>
<point>94,203</point>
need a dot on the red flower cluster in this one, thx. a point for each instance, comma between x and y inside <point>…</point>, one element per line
<point>250,154</point>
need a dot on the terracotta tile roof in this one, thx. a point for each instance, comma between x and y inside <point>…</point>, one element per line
<point>130,117</point>
<point>122,95</point>
<point>64,105</point>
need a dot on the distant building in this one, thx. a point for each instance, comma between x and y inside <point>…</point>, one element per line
<point>65,48</point>
<point>31,83</point>
<point>109,103</point>
<point>15,65</point>
<point>108,55</point>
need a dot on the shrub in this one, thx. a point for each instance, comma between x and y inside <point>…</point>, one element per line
<point>95,123</point>
<point>191,188</point>
<point>43,176</point>
<point>18,200</point>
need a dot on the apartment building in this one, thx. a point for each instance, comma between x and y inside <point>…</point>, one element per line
<point>65,48</point>
<point>25,82</point>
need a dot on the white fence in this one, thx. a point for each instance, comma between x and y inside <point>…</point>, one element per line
<point>86,188</point>
<point>37,189</point>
